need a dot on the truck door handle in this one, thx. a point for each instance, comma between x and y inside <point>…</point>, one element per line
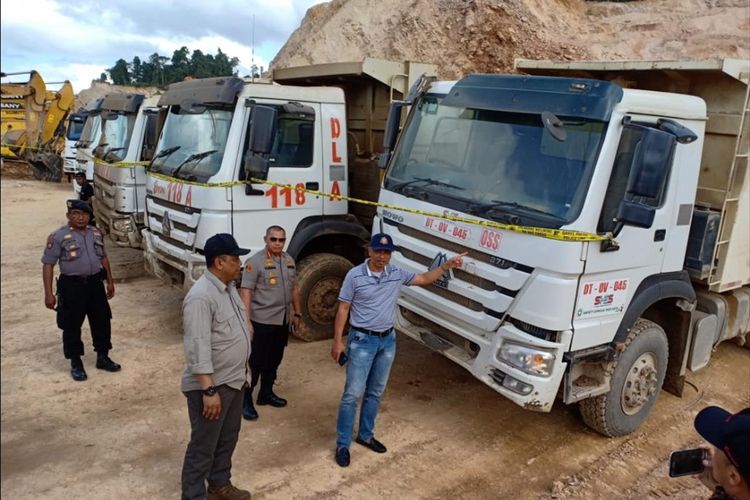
<point>314,186</point>
<point>660,234</point>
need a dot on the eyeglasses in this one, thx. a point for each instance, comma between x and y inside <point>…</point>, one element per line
<point>274,239</point>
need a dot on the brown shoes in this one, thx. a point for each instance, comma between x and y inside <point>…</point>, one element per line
<point>227,492</point>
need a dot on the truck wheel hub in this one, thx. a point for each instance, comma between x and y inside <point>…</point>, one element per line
<point>640,384</point>
<point>322,300</point>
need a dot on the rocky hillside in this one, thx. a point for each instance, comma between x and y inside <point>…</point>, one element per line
<point>463,36</point>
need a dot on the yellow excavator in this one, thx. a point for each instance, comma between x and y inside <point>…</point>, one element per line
<point>32,121</point>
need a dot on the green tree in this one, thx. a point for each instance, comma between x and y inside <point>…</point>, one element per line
<point>119,73</point>
<point>180,65</point>
<point>103,77</point>
<point>136,71</point>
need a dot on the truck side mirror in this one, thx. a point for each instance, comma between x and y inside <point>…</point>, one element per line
<point>391,133</point>
<point>651,164</point>
<point>261,137</point>
<point>636,214</point>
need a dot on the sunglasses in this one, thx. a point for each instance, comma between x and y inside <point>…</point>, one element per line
<point>274,239</point>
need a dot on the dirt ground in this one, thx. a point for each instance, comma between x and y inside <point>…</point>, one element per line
<point>123,435</point>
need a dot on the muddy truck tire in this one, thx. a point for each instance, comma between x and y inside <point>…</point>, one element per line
<point>637,378</point>
<point>319,278</point>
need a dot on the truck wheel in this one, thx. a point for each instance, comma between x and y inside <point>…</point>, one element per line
<point>320,277</point>
<point>637,377</point>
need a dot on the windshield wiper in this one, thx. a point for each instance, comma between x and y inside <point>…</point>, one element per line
<point>484,208</point>
<point>152,167</point>
<point>432,182</point>
<point>167,152</point>
<point>191,158</point>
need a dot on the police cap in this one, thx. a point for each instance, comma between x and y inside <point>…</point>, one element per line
<point>79,205</point>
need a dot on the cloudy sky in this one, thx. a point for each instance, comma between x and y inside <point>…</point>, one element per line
<point>78,39</point>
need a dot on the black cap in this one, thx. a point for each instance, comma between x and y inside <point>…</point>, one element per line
<point>222,244</point>
<point>79,205</point>
<point>729,433</point>
<point>382,241</point>
<point>80,174</point>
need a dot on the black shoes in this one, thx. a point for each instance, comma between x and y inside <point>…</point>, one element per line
<point>77,371</point>
<point>248,410</point>
<point>342,457</point>
<point>271,399</point>
<point>373,444</point>
<point>104,363</point>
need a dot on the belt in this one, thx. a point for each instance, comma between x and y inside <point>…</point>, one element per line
<point>82,279</point>
<point>384,333</point>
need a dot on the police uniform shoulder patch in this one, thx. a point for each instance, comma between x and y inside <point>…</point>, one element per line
<point>51,240</point>
<point>248,267</point>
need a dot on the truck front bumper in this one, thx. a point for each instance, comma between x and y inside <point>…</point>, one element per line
<point>479,352</point>
<point>171,263</point>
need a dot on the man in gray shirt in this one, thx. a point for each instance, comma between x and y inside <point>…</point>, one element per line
<point>217,347</point>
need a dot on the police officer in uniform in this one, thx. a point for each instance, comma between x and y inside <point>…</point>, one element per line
<point>80,291</point>
<point>86,194</point>
<point>272,300</point>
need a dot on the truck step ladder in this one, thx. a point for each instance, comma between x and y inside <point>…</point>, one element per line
<point>737,173</point>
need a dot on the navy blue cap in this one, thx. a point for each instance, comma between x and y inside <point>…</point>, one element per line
<point>79,205</point>
<point>222,244</point>
<point>80,174</point>
<point>729,433</point>
<point>382,241</point>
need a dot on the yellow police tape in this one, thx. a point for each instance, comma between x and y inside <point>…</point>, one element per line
<point>554,234</point>
<point>118,164</point>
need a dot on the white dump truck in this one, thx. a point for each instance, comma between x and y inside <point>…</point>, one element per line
<point>605,209</point>
<point>90,136</point>
<point>128,141</point>
<point>73,131</point>
<point>220,132</point>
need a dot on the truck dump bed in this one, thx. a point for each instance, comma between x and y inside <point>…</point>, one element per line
<point>369,86</point>
<point>722,201</point>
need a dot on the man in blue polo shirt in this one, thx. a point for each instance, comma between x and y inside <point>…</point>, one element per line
<point>368,299</point>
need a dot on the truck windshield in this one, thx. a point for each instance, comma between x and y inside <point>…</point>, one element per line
<point>90,130</point>
<point>75,127</point>
<point>495,164</point>
<point>191,146</point>
<point>116,136</point>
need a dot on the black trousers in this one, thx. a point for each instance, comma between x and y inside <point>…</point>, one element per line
<point>78,298</point>
<point>212,442</point>
<point>267,352</point>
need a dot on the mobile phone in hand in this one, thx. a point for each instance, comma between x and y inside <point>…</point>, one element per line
<point>343,358</point>
<point>686,462</point>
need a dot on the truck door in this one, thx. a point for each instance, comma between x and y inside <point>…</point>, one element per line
<point>295,162</point>
<point>612,274</point>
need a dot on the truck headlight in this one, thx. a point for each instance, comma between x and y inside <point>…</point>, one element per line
<point>197,271</point>
<point>528,359</point>
<point>121,225</point>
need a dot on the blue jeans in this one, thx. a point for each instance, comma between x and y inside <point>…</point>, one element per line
<point>370,360</point>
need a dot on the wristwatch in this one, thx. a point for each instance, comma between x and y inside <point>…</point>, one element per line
<point>209,391</point>
<point>297,315</point>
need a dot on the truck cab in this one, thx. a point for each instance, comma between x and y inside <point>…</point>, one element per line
<point>73,132</point>
<point>90,136</point>
<point>238,156</point>
<point>127,144</point>
<point>573,197</point>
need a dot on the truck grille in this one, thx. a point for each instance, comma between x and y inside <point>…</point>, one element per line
<point>475,297</point>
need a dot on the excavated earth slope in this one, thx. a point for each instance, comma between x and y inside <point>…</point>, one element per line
<point>463,36</point>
